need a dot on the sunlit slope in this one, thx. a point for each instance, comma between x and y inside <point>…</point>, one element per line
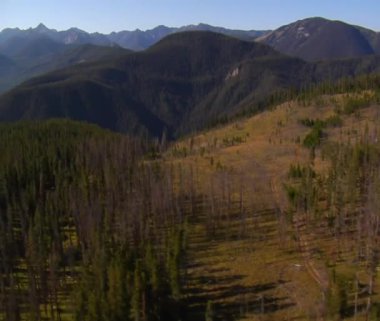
<point>266,260</point>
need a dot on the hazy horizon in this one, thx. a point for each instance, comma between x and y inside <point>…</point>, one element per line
<point>99,16</point>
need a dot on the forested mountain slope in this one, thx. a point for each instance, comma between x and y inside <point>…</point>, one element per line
<point>22,59</point>
<point>184,83</point>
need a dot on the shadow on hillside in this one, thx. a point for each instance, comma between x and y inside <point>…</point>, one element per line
<point>231,297</point>
<point>230,301</point>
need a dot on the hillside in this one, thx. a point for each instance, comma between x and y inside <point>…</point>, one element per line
<point>315,39</point>
<point>6,65</point>
<point>229,224</point>
<point>30,48</point>
<point>288,188</point>
<point>156,89</point>
<point>186,82</point>
<point>39,55</point>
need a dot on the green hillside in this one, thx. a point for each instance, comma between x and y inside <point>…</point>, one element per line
<point>186,82</point>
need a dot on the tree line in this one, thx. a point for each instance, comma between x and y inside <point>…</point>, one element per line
<point>89,231</point>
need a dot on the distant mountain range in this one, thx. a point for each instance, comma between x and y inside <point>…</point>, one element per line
<point>35,51</point>
<point>183,83</point>
<point>133,40</point>
<point>310,39</point>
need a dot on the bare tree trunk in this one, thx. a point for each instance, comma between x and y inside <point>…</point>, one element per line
<point>356,297</point>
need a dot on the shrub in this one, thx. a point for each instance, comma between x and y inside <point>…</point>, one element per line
<point>313,138</point>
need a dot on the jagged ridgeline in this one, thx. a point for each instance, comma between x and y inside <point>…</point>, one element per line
<point>88,229</point>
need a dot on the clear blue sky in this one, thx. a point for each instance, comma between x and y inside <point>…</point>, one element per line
<point>115,15</point>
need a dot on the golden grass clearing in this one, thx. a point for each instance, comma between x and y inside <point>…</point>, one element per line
<point>258,277</point>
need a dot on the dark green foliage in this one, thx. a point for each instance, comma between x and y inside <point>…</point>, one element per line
<point>337,297</point>
<point>353,104</point>
<point>209,314</point>
<point>235,140</point>
<point>313,138</point>
<point>302,193</point>
<point>297,171</point>
<point>292,194</point>
<point>308,122</point>
<point>175,255</point>
<point>83,217</point>
<point>332,121</point>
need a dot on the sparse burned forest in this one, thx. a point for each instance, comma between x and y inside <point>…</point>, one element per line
<point>88,230</point>
<point>231,224</point>
<point>93,227</point>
